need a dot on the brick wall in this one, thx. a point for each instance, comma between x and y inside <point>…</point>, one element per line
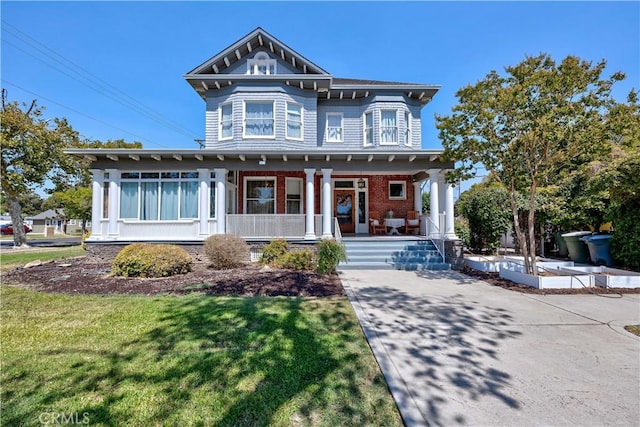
<point>379,195</point>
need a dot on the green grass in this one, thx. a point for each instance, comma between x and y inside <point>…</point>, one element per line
<point>10,259</point>
<point>193,360</point>
<point>634,329</point>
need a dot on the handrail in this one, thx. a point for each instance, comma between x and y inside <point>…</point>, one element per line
<point>337,233</point>
<point>437,237</point>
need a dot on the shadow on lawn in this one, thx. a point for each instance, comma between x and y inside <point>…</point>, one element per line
<point>450,344</point>
<point>211,361</point>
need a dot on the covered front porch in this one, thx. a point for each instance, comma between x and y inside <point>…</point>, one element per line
<point>187,196</point>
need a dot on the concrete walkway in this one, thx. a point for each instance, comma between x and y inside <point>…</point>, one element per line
<point>457,351</point>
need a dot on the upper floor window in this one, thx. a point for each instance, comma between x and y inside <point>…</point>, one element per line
<point>258,119</point>
<point>407,129</point>
<point>226,121</point>
<point>294,121</point>
<point>334,127</point>
<point>261,64</point>
<point>388,127</point>
<point>368,128</point>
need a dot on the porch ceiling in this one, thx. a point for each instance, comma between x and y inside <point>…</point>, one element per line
<point>409,161</point>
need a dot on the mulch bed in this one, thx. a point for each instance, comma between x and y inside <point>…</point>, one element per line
<point>495,280</point>
<point>81,276</point>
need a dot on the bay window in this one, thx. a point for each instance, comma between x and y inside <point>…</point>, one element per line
<point>388,127</point>
<point>407,128</point>
<point>294,121</point>
<point>226,121</point>
<point>368,128</point>
<point>258,119</point>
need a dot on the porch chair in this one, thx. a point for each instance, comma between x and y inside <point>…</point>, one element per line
<point>412,223</point>
<point>376,224</point>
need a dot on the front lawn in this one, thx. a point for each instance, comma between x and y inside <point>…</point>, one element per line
<point>190,360</point>
<point>10,258</point>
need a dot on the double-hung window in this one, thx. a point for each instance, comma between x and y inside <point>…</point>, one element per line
<point>258,119</point>
<point>260,195</point>
<point>334,127</point>
<point>165,196</point>
<point>368,129</point>
<point>407,128</point>
<point>105,196</point>
<point>226,121</point>
<point>294,195</point>
<point>388,127</point>
<point>294,121</point>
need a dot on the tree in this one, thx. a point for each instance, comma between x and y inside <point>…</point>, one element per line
<point>31,203</point>
<point>32,153</point>
<point>74,202</point>
<point>528,128</point>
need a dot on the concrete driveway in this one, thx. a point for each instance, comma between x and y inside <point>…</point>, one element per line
<point>457,351</point>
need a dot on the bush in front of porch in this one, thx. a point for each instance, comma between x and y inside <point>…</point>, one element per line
<point>226,251</point>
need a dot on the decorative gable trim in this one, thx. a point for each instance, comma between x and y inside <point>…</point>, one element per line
<point>254,40</point>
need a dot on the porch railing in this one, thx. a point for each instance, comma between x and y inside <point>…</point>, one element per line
<point>289,226</point>
<point>337,234</point>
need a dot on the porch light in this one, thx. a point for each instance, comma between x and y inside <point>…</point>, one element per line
<point>362,183</point>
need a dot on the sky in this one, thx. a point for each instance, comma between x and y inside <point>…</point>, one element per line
<point>115,69</point>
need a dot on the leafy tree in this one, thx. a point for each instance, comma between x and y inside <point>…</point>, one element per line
<point>74,202</point>
<point>528,127</point>
<point>32,153</point>
<point>31,203</point>
<point>485,207</point>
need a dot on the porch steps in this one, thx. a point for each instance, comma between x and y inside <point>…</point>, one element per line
<point>387,253</point>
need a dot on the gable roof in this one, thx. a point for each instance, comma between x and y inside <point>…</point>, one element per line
<point>256,39</point>
<point>50,213</point>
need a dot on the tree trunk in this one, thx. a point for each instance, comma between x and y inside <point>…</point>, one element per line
<point>520,235</point>
<point>84,226</point>
<point>532,227</point>
<point>15,210</point>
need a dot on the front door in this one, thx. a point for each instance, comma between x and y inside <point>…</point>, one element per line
<point>344,210</point>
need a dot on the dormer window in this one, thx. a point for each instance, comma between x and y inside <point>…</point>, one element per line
<point>261,65</point>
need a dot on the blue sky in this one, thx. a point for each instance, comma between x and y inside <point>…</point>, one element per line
<point>144,48</point>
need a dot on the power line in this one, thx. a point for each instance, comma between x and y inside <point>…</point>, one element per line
<point>92,81</point>
<point>82,114</point>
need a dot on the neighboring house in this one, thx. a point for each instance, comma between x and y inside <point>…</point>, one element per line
<point>55,218</point>
<point>289,147</point>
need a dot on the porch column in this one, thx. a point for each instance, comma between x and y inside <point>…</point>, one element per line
<point>441,193</point>
<point>449,215</point>
<point>203,196</point>
<point>97,183</point>
<point>114,199</point>
<point>221,200</point>
<point>433,202</point>
<point>310,233</point>
<point>326,204</point>
<point>417,197</point>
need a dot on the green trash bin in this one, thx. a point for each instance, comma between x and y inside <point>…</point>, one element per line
<point>578,251</point>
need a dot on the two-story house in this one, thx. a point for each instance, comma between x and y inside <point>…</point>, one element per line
<point>291,151</point>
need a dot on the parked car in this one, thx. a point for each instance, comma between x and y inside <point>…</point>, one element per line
<point>8,229</point>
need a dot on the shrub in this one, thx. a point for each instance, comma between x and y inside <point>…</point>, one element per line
<point>274,251</point>
<point>225,251</point>
<point>147,260</point>
<point>85,236</point>
<point>297,260</point>
<point>330,253</point>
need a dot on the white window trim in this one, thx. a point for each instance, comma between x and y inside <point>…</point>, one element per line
<point>395,110</point>
<point>301,121</point>
<point>407,131</point>
<point>244,118</point>
<point>364,129</point>
<point>259,178</point>
<point>286,194</point>
<point>404,190</point>
<point>252,64</point>
<point>326,137</point>
<point>220,137</point>
<point>159,181</point>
